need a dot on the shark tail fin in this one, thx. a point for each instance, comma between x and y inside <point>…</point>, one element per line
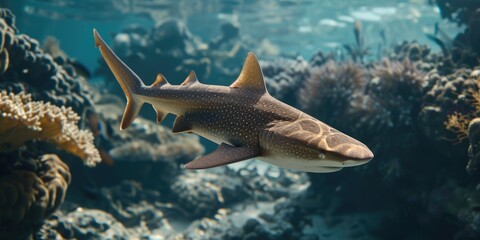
<point>128,80</point>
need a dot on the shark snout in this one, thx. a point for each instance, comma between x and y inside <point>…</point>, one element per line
<point>349,151</point>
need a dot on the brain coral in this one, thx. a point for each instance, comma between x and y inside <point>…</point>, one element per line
<point>28,197</point>
<point>22,120</point>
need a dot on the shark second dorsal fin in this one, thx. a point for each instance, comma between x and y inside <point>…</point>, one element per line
<point>191,79</point>
<point>251,75</point>
<point>159,81</point>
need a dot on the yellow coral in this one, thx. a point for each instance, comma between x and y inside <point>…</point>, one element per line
<point>22,119</point>
<point>458,123</point>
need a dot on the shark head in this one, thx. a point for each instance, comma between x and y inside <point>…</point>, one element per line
<point>308,144</point>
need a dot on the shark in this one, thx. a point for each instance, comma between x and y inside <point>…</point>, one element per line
<point>243,118</point>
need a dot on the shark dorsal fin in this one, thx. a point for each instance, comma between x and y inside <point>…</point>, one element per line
<point>191,79</point>
<point>159,81</point>
<point>251,75</point>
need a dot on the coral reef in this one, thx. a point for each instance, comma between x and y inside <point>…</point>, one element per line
<point>391,103</point>
<point>149,150</point>
<point>449,95</point>
<point>168,48</point>
<point>82,224</point>
<point>466,49</point>
<point>28,197</point>
<point>202,194</point>
<point>25,67</point>
<point>284,76</point>
<point>22,119</point>
<point>332,87</point>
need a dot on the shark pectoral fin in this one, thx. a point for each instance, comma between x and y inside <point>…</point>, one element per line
<point>225,154</point>
<point>181,125</point>
<point>251,75</point>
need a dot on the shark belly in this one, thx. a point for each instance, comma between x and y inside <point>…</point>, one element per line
<point>293,163</point>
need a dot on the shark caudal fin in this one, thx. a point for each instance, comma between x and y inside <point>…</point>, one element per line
<point>129,81</point>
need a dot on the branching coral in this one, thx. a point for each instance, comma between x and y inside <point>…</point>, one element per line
<point>28,197</point>
<point>22,120</point>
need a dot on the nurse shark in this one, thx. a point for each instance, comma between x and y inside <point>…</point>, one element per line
<point>243,118</point>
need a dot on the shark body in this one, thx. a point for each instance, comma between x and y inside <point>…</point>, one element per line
<point>242,118</point>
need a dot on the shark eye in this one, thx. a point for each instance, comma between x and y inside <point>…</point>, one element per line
<point>322,156</point>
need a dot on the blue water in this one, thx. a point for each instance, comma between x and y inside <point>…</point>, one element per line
<point>292,27</point>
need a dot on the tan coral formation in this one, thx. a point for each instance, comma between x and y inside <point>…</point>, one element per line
<point>26,197</point>
<point>22,119</point>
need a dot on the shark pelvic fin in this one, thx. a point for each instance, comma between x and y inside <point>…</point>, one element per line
<point>160,115</point>
<point>225,154</point>
<point>128,80</point>
<point>181,125</point>
<point>191,79</point>
<point>160,80</point>
<point>251,75</point>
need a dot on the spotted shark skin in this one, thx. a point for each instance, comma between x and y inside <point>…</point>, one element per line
<point>242,118</point>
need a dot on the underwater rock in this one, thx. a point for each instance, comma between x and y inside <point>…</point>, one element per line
<point>151,152</point>
<point>218,227</point>
<point>474,148</point>
<point>203,193</point>
<point>127,210</point>
<point>21,120</point>
<point>28,197</point>
<point>275,183</point>
<point>84,224</point>
<point>284,77</point>
<point>24,66</point>
<point>137,208</point>
<point>287,221</point>
<point>281,219</point>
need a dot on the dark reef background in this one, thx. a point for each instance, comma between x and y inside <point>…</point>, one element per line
<point>401,76</point>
